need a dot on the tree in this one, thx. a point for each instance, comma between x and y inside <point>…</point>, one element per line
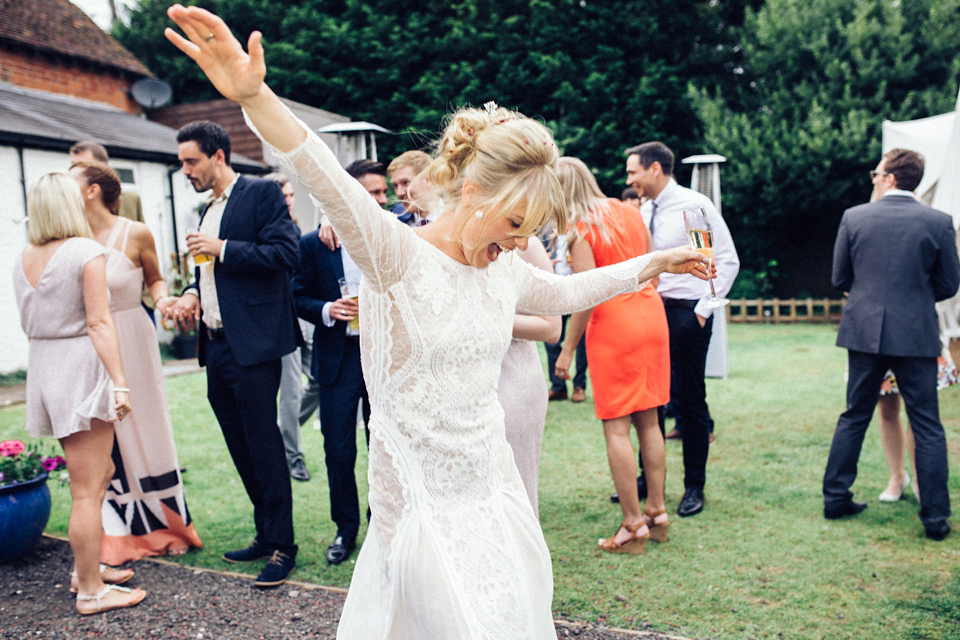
<point>802,125</point>
<point>602,75</point>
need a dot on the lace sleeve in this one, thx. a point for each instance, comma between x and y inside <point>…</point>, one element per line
<point>375,241</point>
<point>541,292</point>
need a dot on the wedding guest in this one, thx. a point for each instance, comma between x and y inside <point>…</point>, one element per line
<point>522,387</point>
<point>291,371</point>
<point>631,197</point>
<point>436,309</point>
<point>559,257</point>
<point>896,257</point>
<point>245,249</point>
<point>629,358</point>
<point>76,389</point>
<point>650,171</point>
<point>402,172</point>
<point>145,512</point>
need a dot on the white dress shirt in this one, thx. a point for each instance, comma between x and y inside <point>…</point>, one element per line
<point>669,232</point>
<point>351,273</point>
<point>210,226</point>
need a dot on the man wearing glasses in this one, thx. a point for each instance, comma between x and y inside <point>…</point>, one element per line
<point>897,258</point>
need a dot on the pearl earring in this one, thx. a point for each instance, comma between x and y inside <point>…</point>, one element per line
<point>478,214</point>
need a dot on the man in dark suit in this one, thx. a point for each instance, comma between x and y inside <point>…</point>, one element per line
<point>325,287</point>
<point>896,258</point>
<point>245,250</point>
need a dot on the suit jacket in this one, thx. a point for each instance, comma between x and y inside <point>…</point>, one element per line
<point>897,258</point>
<point>316,282</point>
<point>253,281</point>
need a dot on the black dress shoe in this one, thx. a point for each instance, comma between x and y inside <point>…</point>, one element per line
<point>692,502</point>
<point>340,550</point>
<point>849,508</point>
<point>298,471</point>
<point>254,552</point>
<point>641,487</point>
<point>938,531</point>
<point>277,570</point>
<point>641,491</point>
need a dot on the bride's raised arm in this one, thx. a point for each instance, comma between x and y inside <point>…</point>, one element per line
<point>237,74</point>
<point>371,235</point>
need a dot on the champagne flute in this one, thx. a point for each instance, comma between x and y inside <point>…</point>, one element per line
<point>700,237</point>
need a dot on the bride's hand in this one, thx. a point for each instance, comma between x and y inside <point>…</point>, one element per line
<point>684,260</point>
<point>236,74</point>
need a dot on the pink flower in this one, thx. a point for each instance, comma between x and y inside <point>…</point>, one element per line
<point>49,464</point>
<point>11,447</point>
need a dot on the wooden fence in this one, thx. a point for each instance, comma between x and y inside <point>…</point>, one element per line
<point>778,311</point>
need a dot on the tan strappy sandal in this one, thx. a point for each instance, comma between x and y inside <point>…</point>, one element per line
<point>100,606</point>
<point>636,544</point>
<point>125,575</point>
<point>658,522</point>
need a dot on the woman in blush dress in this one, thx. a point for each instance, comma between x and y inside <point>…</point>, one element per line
<point>453,549</point>
<point>629,352</point>
<point>522,387</point>
<point>76,388</point>
<point>145,513</point>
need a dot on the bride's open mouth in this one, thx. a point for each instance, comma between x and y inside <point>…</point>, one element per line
<point>493,251</point>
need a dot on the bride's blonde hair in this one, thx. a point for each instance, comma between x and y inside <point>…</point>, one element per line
<point>509,158</point>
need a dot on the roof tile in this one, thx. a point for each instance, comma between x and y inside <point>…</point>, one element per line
<point>59,26</point>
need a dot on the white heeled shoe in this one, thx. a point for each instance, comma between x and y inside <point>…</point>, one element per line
<point>894,497</point>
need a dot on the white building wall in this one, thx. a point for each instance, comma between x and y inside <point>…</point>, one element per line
<point>13,343</point>
<point>151,183</point>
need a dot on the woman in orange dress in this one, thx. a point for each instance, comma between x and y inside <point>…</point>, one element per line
<point>628,348</point>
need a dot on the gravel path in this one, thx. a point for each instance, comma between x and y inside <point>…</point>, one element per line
<point>186,603</point>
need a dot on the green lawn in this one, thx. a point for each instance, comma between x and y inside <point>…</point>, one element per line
<point>759,562</point>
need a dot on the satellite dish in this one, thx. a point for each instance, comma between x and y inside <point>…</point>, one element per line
<point>151,93</point>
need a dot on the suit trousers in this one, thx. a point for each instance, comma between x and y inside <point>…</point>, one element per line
<point>553,350</point>
<point>338,424</point>
<point>310,393</point>
<point>917,382</point>
<point>688,390</point>
<point>244,399</point>
<point>288,409</point>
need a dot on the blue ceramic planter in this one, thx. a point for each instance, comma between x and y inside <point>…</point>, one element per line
<point>24,511</point>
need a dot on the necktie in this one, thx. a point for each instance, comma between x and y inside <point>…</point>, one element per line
<point>653,216</point>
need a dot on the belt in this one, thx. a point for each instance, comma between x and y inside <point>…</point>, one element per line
<point>216,334</point>
<point>683,304</point>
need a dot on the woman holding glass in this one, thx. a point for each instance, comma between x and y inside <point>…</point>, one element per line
<point>453,548</point>
<point>76,387</point>
<point>628,348</point>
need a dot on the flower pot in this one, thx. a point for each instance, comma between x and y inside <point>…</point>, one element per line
<point>24,511</point>
<point>184,347</point>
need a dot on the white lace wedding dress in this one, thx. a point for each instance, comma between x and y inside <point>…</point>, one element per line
<point>453,550</point>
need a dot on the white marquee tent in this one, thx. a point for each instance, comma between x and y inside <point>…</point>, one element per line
<point>937,138</point>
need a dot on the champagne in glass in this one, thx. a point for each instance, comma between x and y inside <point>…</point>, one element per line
<point>700,237</point>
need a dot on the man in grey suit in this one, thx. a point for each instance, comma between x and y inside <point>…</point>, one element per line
<point>896,258</point>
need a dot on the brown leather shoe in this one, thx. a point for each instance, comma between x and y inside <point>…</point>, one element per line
<point>579,395</point>
<point>557,395</point>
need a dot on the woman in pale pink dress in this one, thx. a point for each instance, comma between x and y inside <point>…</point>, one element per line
<point>76,387</point>
<point>145,513</point>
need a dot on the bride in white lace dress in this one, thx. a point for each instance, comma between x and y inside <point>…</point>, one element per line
<point>453,549</point>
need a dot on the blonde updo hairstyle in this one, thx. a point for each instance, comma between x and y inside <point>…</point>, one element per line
<point>585,201</point>
<point>55,210</point>
<point>510,160</point>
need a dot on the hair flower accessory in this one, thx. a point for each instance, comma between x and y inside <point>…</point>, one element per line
<point>491,108</point>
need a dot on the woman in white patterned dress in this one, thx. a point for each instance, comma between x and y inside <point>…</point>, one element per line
<point>453,549</point>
